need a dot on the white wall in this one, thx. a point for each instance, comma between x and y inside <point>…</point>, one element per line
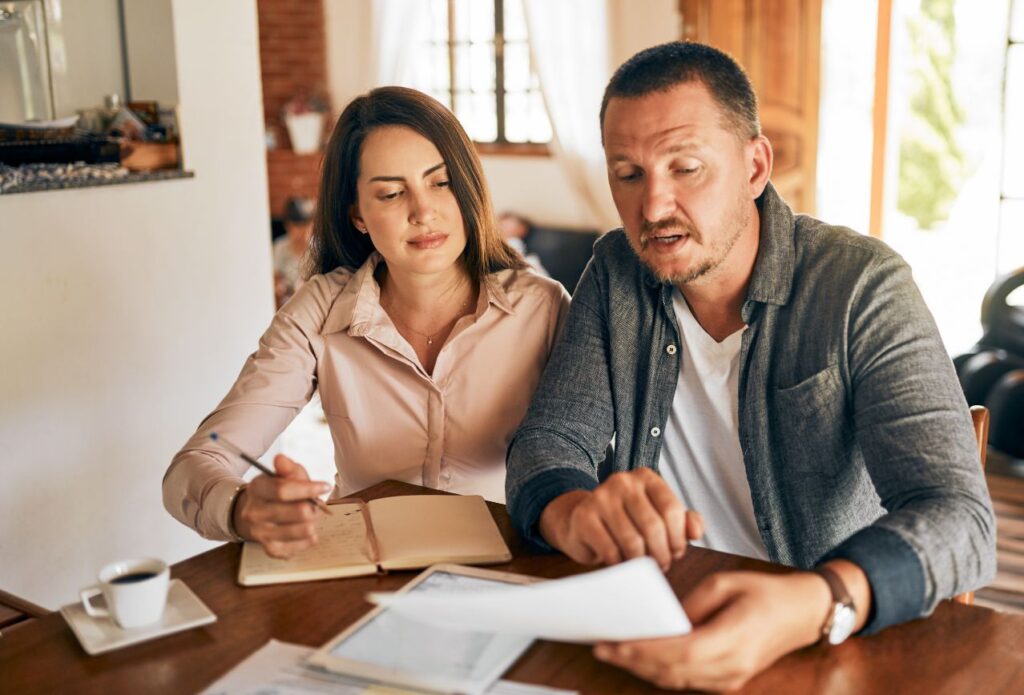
<point>639,25</point>
<point>351,66</point>
<point>127,312</point>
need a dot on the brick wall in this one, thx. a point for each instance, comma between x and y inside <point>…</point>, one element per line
<point>293,57</point>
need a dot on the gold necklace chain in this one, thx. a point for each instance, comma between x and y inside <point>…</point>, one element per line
<point>387,303</point>
<point>431,336</point>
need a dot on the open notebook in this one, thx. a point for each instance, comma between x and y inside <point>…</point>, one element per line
<point>391,533</point>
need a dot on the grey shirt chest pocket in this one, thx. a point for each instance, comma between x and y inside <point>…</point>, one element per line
<point>811,424</point>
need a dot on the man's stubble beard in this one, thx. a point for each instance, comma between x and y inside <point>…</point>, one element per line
<point>716,255</point>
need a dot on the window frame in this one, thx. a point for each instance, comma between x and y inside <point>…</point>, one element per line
<point>500,145</point>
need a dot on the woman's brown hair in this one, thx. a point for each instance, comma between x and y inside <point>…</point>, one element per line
<point>336,242</point>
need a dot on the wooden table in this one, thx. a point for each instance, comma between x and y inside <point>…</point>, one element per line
<point>959,649</point>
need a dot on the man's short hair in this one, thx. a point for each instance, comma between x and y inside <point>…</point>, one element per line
<point>660,68</point>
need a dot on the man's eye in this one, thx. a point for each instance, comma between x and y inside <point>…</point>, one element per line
<point>629,176</point>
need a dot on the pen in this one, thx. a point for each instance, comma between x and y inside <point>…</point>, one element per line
<point>315,501</point>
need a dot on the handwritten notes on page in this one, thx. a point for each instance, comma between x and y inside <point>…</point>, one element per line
<point>629,601</point>
<point>342,543</point>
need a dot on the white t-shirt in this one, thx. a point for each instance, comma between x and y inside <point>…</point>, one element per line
<point>701,459</point>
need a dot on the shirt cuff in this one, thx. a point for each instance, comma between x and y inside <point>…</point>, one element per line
<point>218,505</point>
<point>894,572</point>
<point>537,493</point>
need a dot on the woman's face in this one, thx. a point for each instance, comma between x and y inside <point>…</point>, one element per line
<point>405,203</point>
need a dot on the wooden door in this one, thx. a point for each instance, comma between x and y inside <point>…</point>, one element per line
<point>778,43</point>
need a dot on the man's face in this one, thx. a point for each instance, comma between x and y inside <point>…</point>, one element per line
<point>683,181</point>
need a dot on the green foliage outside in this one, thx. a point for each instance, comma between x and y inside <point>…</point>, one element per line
<point>932,165</point>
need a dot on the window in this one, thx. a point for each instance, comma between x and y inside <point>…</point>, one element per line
<point>479,66</point>
<point>952,200</point>
<point>1011,219</point>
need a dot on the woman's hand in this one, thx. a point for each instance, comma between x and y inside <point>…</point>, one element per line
<point>276,513</point>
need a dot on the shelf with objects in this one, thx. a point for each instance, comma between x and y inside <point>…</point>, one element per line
<point>63,122</point>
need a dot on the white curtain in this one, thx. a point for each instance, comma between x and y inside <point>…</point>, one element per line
<point>569,45</point>
<point>401,32</point>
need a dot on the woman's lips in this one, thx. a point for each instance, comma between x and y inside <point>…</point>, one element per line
<point>427,241</point>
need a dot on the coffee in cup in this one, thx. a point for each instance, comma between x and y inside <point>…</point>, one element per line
<point>135,592</point>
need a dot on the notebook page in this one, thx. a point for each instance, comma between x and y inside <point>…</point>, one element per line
<point>342,542</point>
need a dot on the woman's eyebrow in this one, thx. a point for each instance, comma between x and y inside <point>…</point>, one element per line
<point>399,179</point>
<point>432,169</point>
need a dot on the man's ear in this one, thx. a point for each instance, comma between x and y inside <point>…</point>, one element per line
<point>355,218</point>
<point>760,159</point>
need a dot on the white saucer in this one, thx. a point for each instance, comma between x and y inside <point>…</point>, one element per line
<point>97,635</point>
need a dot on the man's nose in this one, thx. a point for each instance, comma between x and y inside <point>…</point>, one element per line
<point>658,201</point>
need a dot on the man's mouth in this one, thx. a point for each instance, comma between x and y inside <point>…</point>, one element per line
<point>664,241</point>
<point>668,238</point>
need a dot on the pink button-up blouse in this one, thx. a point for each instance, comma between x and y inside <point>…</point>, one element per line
<point>388,417</point>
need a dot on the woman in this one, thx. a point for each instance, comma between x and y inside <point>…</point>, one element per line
<point>423,332</point>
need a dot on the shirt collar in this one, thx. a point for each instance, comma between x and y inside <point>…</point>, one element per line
<point>357,306</point>
<point>354,307</point>
<point>772,277</point>
<point>495,286</point>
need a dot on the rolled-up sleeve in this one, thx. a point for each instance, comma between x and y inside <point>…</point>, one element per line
<point>937,537</point>
<point>571,419</point>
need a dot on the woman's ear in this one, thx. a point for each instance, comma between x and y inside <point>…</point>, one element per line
<point>357,221</point>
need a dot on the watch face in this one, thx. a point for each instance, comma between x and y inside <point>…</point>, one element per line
<point>842,624</point>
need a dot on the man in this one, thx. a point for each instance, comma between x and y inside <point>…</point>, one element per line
<point>515,230</point>
<point>289,251</point>
<point>783,377</point>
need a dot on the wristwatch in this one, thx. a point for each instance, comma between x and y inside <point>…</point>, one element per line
<point>843,614</point>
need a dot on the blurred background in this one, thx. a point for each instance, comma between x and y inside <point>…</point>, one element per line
<point>159,160</point>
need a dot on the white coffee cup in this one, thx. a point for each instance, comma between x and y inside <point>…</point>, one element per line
<point>135,592</point>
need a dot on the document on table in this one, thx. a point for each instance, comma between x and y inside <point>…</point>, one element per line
<point>632,600</point>
<point>276,669</point>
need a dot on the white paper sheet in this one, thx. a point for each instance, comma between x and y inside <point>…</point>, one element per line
<point>629,601</point>
<point>276,669</point>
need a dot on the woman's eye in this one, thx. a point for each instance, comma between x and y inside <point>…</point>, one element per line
<point>390,196</point>
<point>444,183</point>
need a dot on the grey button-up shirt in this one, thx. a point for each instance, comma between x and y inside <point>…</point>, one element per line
<point>856,438</point>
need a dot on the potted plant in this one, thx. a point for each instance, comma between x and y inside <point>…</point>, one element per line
<point>304,116</point>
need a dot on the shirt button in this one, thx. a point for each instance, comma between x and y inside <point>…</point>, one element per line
<point>655,431</point>
<point>671,349</point>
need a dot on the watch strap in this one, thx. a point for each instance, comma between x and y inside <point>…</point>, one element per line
<point>835,585</point>
<point>840,597</point>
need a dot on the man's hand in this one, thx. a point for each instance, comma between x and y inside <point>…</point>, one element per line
<point>275,511</point>
<point>630,515</point>
<point>743,622</point>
